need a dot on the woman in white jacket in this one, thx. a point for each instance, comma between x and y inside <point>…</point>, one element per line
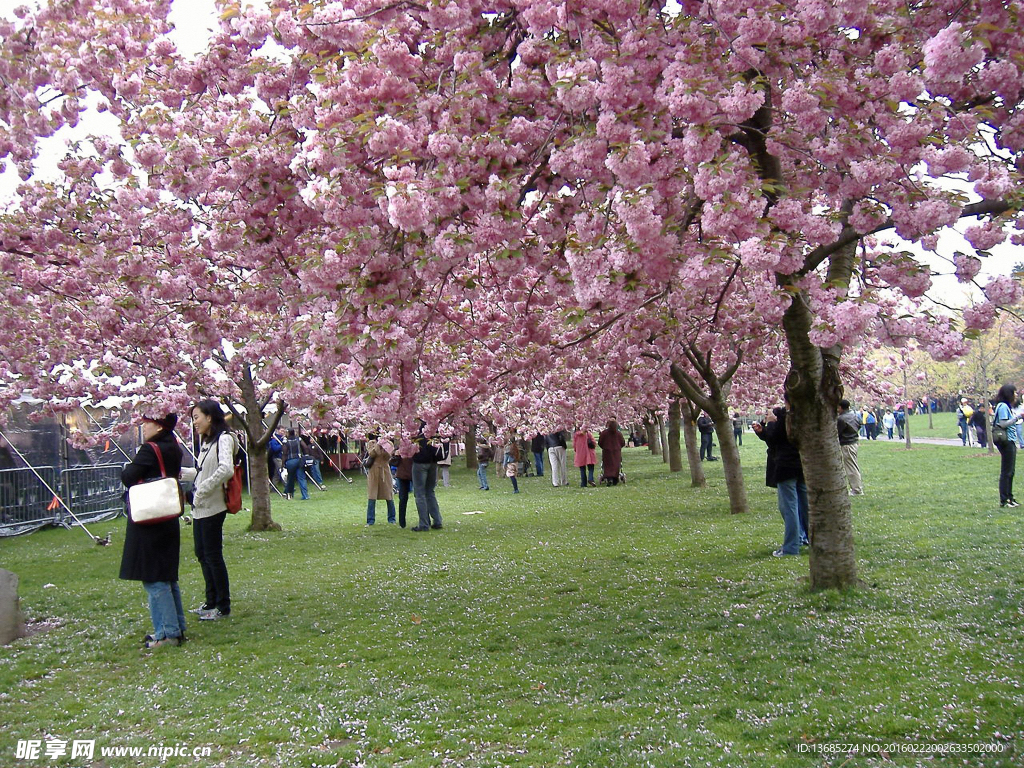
<point>214,467</point>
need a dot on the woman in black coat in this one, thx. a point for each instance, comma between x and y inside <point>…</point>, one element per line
<point>151,551</point>
<point>785,474</point>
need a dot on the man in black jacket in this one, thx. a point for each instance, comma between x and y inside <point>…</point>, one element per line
<point>707,435</point>
<point>424,481</point>
<point>537,446</point>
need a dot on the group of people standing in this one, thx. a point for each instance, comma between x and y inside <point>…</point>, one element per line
<point>555,445</point>
<point>416,474</point>
<point>151,551</point>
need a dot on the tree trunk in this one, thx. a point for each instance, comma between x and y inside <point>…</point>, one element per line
<point>663,432</point>
<point>697,478</point>
<point>259,436</point>
<point>717,408</point>
<point>675,456</point>
<point>471,462</point>
<point>730,454</point>
<point>814,390</point>
<point>653,434</point>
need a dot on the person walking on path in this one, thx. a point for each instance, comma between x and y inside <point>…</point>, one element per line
<point>979,422</point>
<point>611,442</point>
<point>1004,435</point>
<point>151,552</point>
<point>964,412</point>
<point>889,422</point>
<point>849,435</point>
<point>870,424</point>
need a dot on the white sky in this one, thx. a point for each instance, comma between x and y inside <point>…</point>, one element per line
<point>194,19</point>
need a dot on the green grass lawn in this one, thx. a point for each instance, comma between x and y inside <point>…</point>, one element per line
<point>633,626</point>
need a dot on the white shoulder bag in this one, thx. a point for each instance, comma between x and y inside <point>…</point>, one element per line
<point>155,501</point>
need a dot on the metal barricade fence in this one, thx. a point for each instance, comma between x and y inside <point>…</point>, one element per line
<point>25,503</point>
<point>93,493</point>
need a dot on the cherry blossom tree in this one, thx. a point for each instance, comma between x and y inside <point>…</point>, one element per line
<point>409,177</point>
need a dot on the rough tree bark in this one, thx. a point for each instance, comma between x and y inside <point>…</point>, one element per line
<point>653,434</point>
<point>714,402</point>
<point>675,455</point>
<point>815,389</point>
<point>258,436</point>
<point>471,462</point>
<point>663,431</point>
<point>690,414</point>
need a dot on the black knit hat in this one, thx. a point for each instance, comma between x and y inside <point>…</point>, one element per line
<point>166,422</point>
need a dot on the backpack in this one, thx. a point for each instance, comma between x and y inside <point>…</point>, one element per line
<point>233,492</point>
<point>233,487</point>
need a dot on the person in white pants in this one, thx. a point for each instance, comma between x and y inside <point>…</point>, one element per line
<point>558,458</point>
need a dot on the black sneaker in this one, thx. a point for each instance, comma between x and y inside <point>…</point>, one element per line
<point>419,529</point>
<point>436,526</point>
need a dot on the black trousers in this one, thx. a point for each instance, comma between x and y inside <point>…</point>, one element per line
<point>1007,466</point>
<point>404,486</point>
<point>706,444</point>
<point>208,536</point>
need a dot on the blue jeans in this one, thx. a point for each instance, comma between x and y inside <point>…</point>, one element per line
<point>371,511</point>
<point>165,609</point>
<point>481,476</point>
<point>314,472</point>
<point>296,469</point>
<point>793,506</point>
<point>424,481</point>
<point>538,463</point>
<point>586,475</point>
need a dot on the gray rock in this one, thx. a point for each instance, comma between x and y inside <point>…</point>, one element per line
<point>12,625</point>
